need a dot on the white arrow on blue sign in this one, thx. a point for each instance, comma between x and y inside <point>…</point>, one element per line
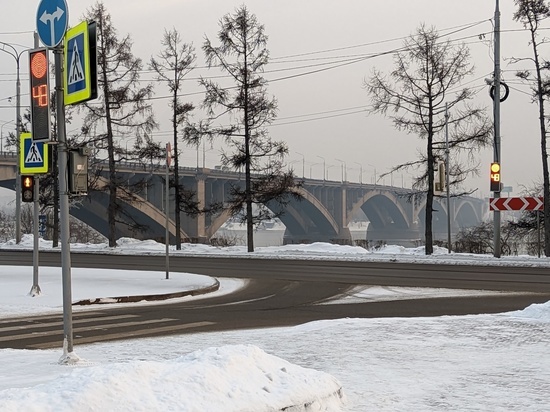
<point>51,21</point>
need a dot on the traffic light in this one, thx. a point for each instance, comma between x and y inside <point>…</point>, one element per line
<point>495,177</point>
<point>40,94</point>
<point>27,188</point>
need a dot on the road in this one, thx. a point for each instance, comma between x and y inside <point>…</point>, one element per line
<point>279,293</point>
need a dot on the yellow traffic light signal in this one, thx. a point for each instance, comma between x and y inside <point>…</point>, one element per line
<point>495,177</point>
<point>27,188</point>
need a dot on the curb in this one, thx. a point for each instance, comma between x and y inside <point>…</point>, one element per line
<point>149,298</point>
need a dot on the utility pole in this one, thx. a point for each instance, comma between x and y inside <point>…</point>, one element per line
<point>62,154</point>
<point>496,117</point>
<point>449,244</point>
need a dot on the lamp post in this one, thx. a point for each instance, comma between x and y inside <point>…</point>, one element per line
<point>12,51</point>
<point>311,167</point>
<point>324,167</point>
<point>360,172</point>
<point>328,169</point>
<point>2,135</point>
<point>303,164</point>
<point>374,167</point>
<point>344,170</point>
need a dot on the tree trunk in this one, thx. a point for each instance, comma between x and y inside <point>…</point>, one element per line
<point>428,232</point>
<point>248,182</point>
<point>543,148</point>
<point>112,208</point>
<point>429,246</point>
<point>111,212</point>
<point>176,178</point>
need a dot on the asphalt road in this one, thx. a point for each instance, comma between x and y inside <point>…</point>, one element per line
<point>279,293</point>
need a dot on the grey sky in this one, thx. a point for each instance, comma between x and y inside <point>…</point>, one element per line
<point>299,31</point>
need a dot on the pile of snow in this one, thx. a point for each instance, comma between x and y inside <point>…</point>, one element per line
<point>536,311</point>
<point>230,378</point>
<point>317,251</point>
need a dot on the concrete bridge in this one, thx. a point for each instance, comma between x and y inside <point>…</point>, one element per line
<point>324,213</point>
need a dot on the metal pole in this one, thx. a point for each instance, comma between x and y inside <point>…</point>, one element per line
<point>303,165</point>
<point>18,171</point>
<point>449,247</point>
<point>35,290</point>
<point>166,210</point>
<point>62,155</point>
<point>16,55</point>
<point>324,167</point>
<point>496,113</point>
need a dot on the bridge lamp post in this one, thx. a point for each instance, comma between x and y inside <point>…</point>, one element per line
<point>374,167</point>
<point>311,167</point>
<point>303,165</point>
<point>204,153</point>
<point>291,163</point>
<point>328,168</point>
<point>126,147</point>
<point>2,135</point>
<point>324,167</point>
<point>344,170</point>
<point>360,172</point>
<point>12,51</point>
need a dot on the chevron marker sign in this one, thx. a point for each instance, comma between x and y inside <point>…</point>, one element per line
<point>516,203</point>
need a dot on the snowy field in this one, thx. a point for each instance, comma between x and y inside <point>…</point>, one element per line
<point>460,363</point>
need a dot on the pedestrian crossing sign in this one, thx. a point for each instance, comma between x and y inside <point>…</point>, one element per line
<point>33,155</point>
<point>80,74</point>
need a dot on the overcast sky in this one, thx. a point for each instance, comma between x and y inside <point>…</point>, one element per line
<point>321,115</point>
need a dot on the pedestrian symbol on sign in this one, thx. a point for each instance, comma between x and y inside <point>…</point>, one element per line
<point>76,72</point>
<point>33,155</point>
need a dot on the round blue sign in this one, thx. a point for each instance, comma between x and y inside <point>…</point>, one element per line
<point>51,21</point>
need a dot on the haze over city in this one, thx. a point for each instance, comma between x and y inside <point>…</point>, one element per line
<point>321,53</point>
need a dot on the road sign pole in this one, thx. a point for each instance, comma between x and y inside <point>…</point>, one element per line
<point>167,209</point>
<point>62,153</point>
<point>496,113</point>
<point>18,172</point>
<point>35,290</point>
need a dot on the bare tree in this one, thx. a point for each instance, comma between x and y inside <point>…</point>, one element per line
<point>424,83</point>
<point>242,53</point>
<point>531,13</point>
<point>174,62</point>
<point>123,109</point>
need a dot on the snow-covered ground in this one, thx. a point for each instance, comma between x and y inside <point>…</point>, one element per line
<point>460,363</point>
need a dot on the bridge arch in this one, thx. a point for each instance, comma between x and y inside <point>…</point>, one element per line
<point>297,226</point>
<point>465,215</point>
<point>140,210</point>
<point>382,208</point>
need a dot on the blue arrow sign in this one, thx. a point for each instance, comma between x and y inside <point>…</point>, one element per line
<point>51,21</point>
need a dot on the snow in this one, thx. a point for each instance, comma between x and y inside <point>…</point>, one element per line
<point>467,363</point>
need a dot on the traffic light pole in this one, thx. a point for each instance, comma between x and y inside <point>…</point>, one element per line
<point>35,290</point>
<point>62,153</point>
<point>496,114</point>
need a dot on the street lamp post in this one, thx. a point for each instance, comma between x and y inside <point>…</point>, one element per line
<point>328,170</point>
<point>2,135</point>
<point>374,167</point>
<point>360,172</point>
<point>311,167</point>
<point>324,167</point>
<point>344,170</point>
<point>12,51</point>
<point>303,164</point>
